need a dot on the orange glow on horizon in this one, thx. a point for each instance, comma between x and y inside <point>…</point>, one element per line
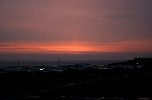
<point>75,48</point>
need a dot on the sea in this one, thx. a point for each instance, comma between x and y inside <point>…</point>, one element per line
<point>4,63</point>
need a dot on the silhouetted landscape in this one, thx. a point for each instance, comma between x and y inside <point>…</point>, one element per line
<point>128,80</point>
<point>75,49</point>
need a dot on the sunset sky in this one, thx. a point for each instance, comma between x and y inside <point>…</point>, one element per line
<point>101,29</point>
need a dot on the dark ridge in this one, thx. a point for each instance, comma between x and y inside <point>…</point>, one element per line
<point>130,80</point>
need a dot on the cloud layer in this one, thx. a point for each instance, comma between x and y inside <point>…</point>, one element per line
<point>96,24</point>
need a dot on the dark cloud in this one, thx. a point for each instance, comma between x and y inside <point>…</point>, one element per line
<point>122,16</point>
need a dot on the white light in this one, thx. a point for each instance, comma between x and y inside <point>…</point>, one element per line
<point>41,69</point>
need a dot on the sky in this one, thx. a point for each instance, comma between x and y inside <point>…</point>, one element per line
<point>90,29</point>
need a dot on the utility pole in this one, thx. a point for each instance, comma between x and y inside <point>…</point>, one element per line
<point>59,61</point>
<point>18,63</point>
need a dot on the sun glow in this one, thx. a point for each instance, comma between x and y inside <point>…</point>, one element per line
<point>68,48</point>
<point>75,47</point>
<point>46,48</point>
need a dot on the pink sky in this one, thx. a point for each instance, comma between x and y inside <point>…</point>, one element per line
<point>75,26</point>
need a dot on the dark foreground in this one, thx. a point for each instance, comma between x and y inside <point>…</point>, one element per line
<point>88,84</point>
